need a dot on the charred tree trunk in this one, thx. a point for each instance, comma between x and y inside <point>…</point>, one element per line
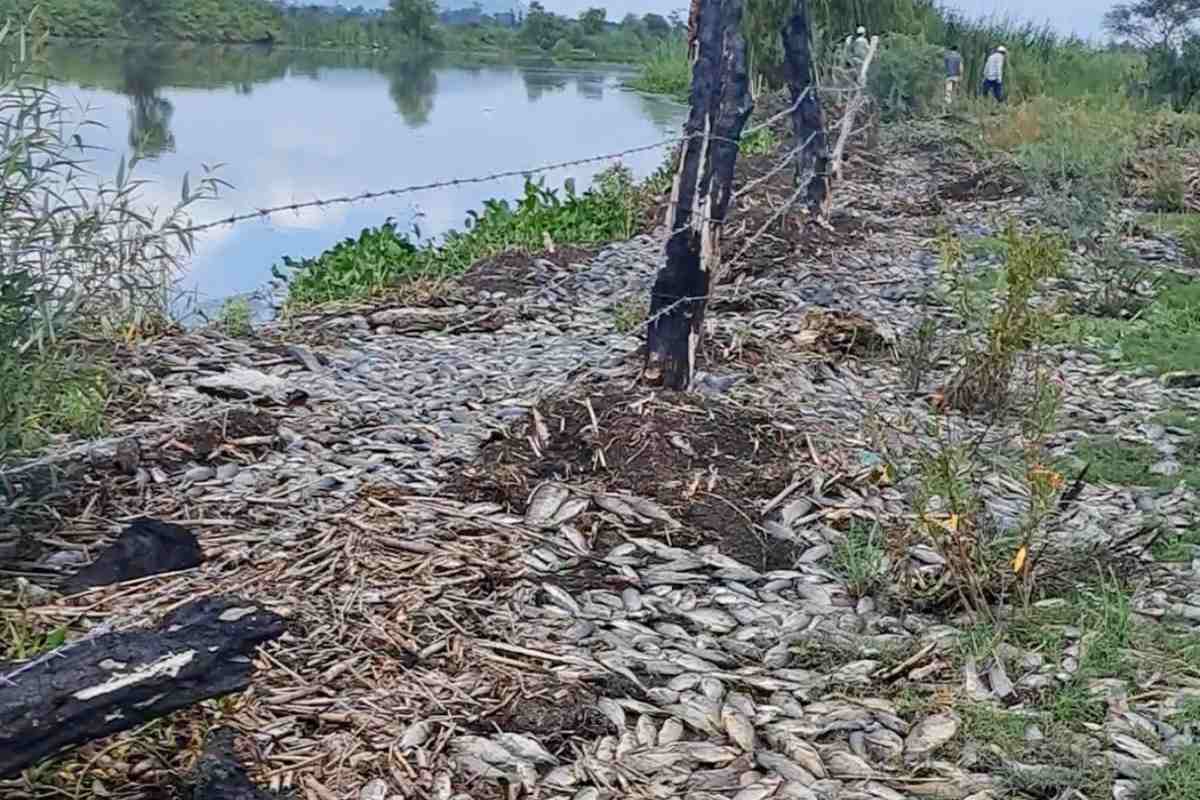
<point>720,105</point>
<point>808,118</point>
<point>121,680</point>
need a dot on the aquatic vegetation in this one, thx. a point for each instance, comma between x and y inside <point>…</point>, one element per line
<point>386,256</point>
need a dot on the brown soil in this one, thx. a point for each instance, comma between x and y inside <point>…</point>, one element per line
<point>992,182</point>
<point>516,272</point>
<point>205,438</point>
<point>709,464</point>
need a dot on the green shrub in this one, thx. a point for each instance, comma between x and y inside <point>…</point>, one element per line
<point>665,70</point>
<point>906,75</point>
<point>384,257</point>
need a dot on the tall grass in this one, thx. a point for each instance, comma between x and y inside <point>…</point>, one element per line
<point>78,254</point>
<point>1040,61</point>
<point>665,70</point>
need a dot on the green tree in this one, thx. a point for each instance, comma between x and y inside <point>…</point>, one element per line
<point>415,19</point>
<point>1152,23</point>
<point>656,25</point>
<point>542,28</point>
<point>593,21</point>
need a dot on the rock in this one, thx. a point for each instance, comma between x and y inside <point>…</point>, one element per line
<point>146,547</point>
<point>930,734</point>
<point>1168,467</point>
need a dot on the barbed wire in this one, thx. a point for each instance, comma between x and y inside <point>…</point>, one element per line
<point>264,213</point>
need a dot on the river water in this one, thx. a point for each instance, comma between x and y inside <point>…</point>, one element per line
<point>293,126</point>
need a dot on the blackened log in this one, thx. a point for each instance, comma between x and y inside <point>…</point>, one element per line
<point>219,775</point>
<point>808,118</point>
<point>700,196</point>
<point>119,681</point>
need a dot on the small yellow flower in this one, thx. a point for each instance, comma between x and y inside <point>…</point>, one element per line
<point>1018,563</point>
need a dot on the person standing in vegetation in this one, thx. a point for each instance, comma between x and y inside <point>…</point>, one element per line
<point>993,74</point>
<point>953,61</point>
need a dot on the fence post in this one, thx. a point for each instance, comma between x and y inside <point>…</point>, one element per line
<point>808,118</point>
<point>720,105</point>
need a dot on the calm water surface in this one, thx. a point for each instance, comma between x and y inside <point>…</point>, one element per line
<point>292,126</point>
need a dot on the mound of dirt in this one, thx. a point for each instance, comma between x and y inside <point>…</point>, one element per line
<point>710,465</point>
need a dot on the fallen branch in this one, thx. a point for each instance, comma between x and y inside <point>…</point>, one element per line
<point>122,680</point>
<point>852,108</point>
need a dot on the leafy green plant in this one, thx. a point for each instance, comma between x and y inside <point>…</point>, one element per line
<point>382,257</point>
<point>235,317</point>
<point>759,143</point>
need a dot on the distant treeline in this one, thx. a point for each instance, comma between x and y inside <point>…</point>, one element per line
<point>405,23</point>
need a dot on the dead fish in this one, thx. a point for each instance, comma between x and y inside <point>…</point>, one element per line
<point>698,718</point>
<point>416,735</point>
<point>670,732</point>
<point>648,762</point>
<point>569,510</point>
<point>707,753</point>
<point>544,503</point>
<point>647,731</point>
<point>485,750</point>
<point>713,619</point>
<point>650,510</point>
<point>561,599</point>
<point>785,767</point>
<point>616,505</point>
<point>525,748</point>
<point>680,443</point>
<point>738,728</point>
<point>613,712</point>
<point>540,430</point>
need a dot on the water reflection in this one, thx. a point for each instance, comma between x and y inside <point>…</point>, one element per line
<point>142,70</point>
<point>540,81</point>
<point>411,85</point>
<point>290,126</point>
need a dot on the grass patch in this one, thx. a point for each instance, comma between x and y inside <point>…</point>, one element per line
<point>48,393</point>
<point>1178,780</point>
<point>859,558</point>
<point>631,314</point>
<point>383,257</point>
<point>1163,337</point>
<point>1181,547</point>
<point>1129,463</point>
<point>988,725</point>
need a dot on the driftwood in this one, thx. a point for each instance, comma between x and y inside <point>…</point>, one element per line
<point>808,118</point>
<point>853,106</point>
<point>118,681</point>
<point>720,105</point>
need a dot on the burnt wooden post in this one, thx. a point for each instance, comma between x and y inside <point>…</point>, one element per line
<point>121,680</point>
<point>720,105</point>
<point>808,118</point>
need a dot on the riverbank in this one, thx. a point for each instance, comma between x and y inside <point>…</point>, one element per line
<point>504,562</point>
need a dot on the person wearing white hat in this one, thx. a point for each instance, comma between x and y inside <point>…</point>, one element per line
<point>993,73</point>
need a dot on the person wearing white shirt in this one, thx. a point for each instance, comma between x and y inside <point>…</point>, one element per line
<point>993,74</point>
